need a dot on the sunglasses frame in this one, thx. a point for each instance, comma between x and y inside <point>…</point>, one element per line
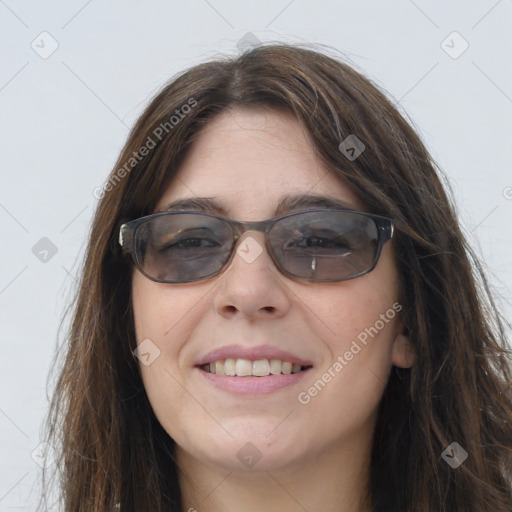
<point>128,230</point>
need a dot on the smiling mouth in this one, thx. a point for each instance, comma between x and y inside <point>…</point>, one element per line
<point>247,368</point>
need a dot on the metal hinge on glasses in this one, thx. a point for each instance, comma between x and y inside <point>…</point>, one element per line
<point>125,238</point>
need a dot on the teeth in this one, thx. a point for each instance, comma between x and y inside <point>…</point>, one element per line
<point>260,368</point>
<point>229,367</point>
<point>243,367</point>
<point>246,367</point>
<point>286,368</point>
<point>219,367</point>
<point>275,366</point>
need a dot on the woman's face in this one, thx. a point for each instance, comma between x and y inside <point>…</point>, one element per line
<point>348,332</point>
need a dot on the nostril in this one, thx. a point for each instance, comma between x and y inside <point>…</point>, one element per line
<point>270,309</point>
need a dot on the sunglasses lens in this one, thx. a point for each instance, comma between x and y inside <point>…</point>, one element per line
<point>182,248</point>
<point>315,245</point>
<point>325,246</point>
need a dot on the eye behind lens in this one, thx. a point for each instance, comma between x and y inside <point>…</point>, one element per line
<point>325,246</point>
<point>183,248</point>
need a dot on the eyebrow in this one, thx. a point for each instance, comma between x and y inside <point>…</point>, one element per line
<point>303,201</point>
<point>287,204</point>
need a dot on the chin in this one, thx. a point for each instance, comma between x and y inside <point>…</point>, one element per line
<point>250,448</point>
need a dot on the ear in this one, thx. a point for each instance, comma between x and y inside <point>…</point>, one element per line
<point>403,353</point>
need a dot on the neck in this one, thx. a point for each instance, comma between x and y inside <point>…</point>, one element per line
<point>333,481</point>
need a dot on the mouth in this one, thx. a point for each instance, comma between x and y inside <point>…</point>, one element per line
<point>231,367</point>
<point>256,370</point>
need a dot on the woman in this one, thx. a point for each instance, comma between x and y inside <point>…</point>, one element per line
<point>278,311</point>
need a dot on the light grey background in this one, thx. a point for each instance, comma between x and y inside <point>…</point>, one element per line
<point>64,119</point>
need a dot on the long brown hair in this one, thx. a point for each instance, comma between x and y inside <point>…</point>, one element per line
<point>110,446</point>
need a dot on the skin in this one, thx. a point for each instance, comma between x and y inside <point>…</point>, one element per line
<point>314,456</point>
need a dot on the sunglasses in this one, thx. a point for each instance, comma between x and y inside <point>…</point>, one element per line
<point>319,245</point>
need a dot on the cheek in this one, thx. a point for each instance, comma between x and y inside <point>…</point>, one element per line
<point>164,317</point>
<point>346,390</point>
<point>364,312</point>
<point>162,313</point>
<point>150,311</point>
<point>366,309</point>
<point>358,321</point>
<point>361,343</point>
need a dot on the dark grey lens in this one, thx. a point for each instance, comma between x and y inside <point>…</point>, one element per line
<point>325,246</point>
<point>180,248</point>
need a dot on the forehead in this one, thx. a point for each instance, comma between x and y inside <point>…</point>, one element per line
<point>249,160</point>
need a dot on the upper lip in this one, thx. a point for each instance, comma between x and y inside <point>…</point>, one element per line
<point>251,353</point>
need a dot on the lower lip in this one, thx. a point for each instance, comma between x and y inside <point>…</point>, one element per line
<point>252,385</point>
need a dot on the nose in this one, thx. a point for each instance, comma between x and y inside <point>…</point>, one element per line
<point>252,286</point>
